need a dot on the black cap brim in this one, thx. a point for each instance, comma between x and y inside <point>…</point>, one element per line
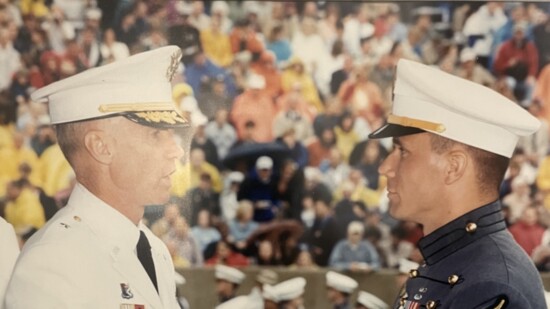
<point>394,130</point>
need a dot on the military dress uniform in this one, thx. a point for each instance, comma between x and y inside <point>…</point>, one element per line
<point>471,261</point>
<point>90,255</point>
<point>456,273</point>
<point>85,257</point>
<point>9,250</point>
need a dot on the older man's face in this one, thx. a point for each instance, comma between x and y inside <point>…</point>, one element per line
<point>143,161</point>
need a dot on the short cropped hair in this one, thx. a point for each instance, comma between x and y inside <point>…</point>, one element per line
<point>70,138</point>
<point>490,167</point>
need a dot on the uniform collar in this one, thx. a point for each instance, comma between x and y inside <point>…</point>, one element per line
<point>105,221</point>
<point>461,232</point>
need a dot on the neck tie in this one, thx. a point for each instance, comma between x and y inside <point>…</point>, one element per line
<point>146,259</point>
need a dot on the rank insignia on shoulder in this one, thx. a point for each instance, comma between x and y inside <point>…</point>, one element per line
<point>126,292</point>
<point>131,306</point>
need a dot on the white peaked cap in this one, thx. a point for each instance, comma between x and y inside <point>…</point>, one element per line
<point>405,266</point>
<point>290,289</point>
<point>239,302</point>
<point>270,293</point>
<point>428,99</point>
<point>370,301</point>
<point>137,87</point>
<point>341,282</point>
<point>229,274</point>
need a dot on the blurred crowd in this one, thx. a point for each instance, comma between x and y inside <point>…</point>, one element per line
<point>281,97</point>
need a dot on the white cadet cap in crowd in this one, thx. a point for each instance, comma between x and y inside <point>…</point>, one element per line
<point>290,289</point>
<point>264,162</point>
<point>230,274</point>
<point>341,282</point>
<point>406,265</point>
<point>239,302</point>
<point>371,301</point>
<point>269,293</point>
<point>137,87</point>
<point>426,99</point>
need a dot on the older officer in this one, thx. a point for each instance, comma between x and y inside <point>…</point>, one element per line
<point>115,125</point>
<point>453,140</point>
<point>9,250</point>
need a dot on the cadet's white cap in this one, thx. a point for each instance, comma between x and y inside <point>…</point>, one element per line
<point>405,266</point>
<point>229,274</point>
<point>264,162</point>
<point>370,301</point>
<point>269,293</point>
<point>341,282</point>
<point>239,302</point>
<point>290,289</point>
<point>137,87</point>
<point>426,99</point>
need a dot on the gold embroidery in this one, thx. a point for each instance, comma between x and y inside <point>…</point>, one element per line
<point>170,117</point>
<point>174,63</point>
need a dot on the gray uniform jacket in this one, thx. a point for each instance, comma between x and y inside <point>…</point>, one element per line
<point>473,262</point>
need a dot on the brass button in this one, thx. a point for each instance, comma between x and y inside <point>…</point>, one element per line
<point>413,273</point>
<point>471,227</point>
<point>77,218</point>
<point>431,304</point>
<point>453,279</point>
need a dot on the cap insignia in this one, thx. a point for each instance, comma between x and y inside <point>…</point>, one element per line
<point>174,63</point>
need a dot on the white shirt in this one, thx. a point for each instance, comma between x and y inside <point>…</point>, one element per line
<point>9,250</point>
<point>84,256</point>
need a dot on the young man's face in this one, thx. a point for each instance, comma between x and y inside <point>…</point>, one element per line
<point>415,177</point>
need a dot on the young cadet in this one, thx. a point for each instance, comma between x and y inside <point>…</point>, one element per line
<point>452,142</point>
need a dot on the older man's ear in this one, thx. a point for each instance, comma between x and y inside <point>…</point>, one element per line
<point>97,144</point>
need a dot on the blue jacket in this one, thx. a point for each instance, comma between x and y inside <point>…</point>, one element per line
<point>473,262</point>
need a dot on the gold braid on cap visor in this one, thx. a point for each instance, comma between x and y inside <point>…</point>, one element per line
<point>416,123</point>
<point>150,112</point>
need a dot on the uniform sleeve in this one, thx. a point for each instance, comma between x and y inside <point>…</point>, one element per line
<point>489,295</point>
<point>47,279</point>
<point>9,250</point>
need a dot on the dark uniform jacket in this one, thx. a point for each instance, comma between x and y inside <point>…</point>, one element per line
<point>473,262</point>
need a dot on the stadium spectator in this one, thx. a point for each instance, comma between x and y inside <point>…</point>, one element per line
<point>260,187</point>
<point>257,106</point>
<point>353,253</point>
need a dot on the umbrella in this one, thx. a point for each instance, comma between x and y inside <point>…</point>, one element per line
<point>247,154</point>
<point>273,230</point>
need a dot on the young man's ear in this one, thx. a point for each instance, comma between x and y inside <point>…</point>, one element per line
<point>457,162</point>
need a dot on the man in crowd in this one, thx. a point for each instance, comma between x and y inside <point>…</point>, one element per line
<point>339,290</point>
<point>115,125</point>
<point>228,280</point>
<point>450,155</point>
